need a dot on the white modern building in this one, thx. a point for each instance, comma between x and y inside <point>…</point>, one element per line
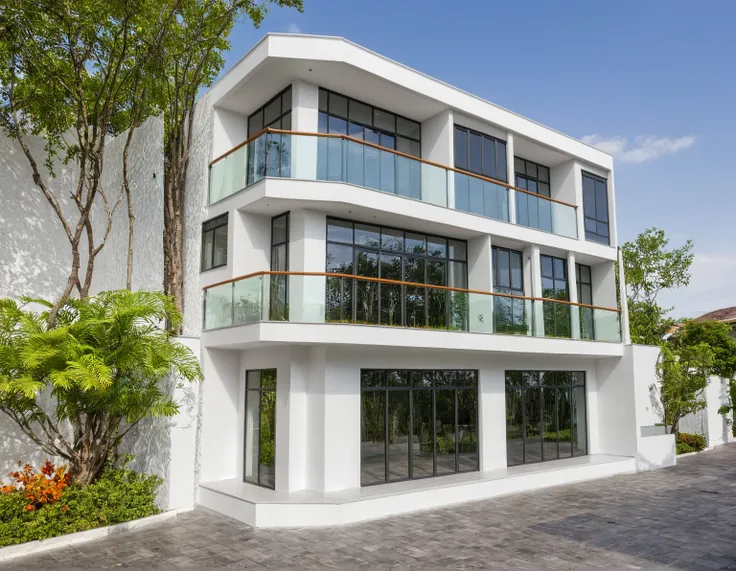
<point>405,295</point>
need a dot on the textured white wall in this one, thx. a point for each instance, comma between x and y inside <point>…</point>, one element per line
<point>35,257</point>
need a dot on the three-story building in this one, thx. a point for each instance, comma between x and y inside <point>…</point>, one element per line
<point>406,296</point>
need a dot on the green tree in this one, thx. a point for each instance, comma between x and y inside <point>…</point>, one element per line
<point>103,364</point>
<point>650,268</point>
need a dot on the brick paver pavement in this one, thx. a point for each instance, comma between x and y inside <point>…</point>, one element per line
<point>684,517</point>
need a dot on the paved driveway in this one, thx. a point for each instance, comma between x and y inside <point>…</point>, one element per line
<point>684,517</point>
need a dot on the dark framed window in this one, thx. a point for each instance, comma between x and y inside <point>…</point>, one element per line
<point>276,114</point>
<point>355,248</point>
<point>417,424</point>
<point>510,315</point>
<point>480,153</point>
<point>214,243</point>
<point>532,176</point>
<point>259,461</point>
<point>279,284</point>
<point>557,316</point>
<point>583,277</point>
<point>545,416</point>
<point>346,116</point>
<point>595,208</point>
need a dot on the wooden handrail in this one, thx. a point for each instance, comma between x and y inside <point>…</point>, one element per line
<point>409,284</point>
<point>398,153</point>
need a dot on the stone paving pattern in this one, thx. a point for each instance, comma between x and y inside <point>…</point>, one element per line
<point>682,517</point>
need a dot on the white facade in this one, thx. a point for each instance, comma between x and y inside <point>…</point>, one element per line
<point>317,462</point>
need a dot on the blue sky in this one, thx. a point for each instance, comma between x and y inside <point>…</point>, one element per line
<point>652,82</point>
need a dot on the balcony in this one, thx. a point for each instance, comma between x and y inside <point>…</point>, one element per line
<point>329,157</point>
<point>340,298</point>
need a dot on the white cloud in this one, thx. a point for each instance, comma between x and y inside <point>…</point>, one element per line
<point>713,276</point>
<point>643,149</point>
<point>294,29</point>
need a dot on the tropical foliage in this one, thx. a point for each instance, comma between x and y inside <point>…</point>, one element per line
<point>103,364</point>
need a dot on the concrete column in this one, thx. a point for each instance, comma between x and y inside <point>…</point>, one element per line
<point>307,235</point>
<point>304,118</point>
<point>480,278</point>
<point>603,276</point>
<point>572,292</point>
<point>535,275</point>
<point>438,147</point>
<point>510,173</point>
<point>626,334</point>
<point>578,185</point>
<point>492,419</point>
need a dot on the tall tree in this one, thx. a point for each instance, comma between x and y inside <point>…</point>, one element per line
<point>192,61</point>
<point>66,69</point>
<point>650,268</point>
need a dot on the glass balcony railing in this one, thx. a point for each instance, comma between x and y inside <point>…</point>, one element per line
<point>340,298</point>
<point>327,157</point>
<point>536,211</point>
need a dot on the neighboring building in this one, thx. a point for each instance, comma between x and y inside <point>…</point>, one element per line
<point>726,315</point>
<point>407,295</point>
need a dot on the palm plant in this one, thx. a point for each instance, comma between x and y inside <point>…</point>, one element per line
<point>103,364</point>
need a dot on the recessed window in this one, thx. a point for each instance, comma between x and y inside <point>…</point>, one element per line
<point>346,116</point>
<point>480,153</point>
<point>545,416</point>
<point>279,263</point>
<point>554,286</point>
<point>510,314</point>
<point>417,424</point>
<point>214,243</point>
<point>584,280</point>
<point>259,463</point>
<point>532,176</point>
<point>355,248</point>
<point>595,208</point>
<point>275,114</point>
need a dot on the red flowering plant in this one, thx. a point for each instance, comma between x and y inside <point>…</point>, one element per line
<point>40,488</point>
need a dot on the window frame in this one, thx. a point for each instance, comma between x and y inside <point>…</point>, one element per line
<point>262,110</point>
<point>259,391</point>
<point>373,108</point>
<point>386,388</point>
<point>590,235</point>
<point>584,312</point>
<point>537,180</point>
<point>404,256</point>
<point>496,141</point>
<point>496,271</point>
<point>216,223</point>
<point>571,386</point>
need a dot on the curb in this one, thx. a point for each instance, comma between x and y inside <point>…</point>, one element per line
<point>39,546</point>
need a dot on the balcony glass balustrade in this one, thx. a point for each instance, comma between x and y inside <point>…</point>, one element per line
<point>284,154</point>
<point>340,298</point>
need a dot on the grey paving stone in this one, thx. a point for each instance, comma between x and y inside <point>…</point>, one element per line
<point>669,518</point>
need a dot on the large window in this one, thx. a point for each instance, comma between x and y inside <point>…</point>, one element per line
<point>214,243</point>
<point>417,424</point>
<point>275,114</point>
<point>365,250</point>
<point>554,286</point>
<point>346,116</point>
<point>585,295</point>
<point>510,315</point>
<point>532,176</point>
<point>545,416</point>
<point>480,153</point>
<point>279,263</point>
<point>260,428</point>
<point>595,208</point>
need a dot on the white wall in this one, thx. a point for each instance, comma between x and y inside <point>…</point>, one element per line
<point>229,130</point>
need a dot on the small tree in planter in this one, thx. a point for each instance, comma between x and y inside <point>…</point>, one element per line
<point>103,363</point>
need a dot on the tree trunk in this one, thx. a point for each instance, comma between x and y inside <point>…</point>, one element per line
<point>88,464</point>
<point>129,203</point>
<point>173,244</point>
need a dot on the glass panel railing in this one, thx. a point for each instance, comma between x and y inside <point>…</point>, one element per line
<point>537,212</point>
<point>481,197</point>
<point>300,298</point>
<point>227,176</point>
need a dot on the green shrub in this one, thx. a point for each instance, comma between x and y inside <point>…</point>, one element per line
<point>119,495</point>
<point>694,441</point>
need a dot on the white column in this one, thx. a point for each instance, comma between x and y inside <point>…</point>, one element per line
<point>291,421</point>
<point>438,147</point>
<point>510,173</point>
<point>535,275</point>
<point>480,278</point>
<point>578,179</point>
<point>492,421</point>
<point>304,118</point>
<point>626,334</point>
<point>307,235</point>
<point>572,292</point>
